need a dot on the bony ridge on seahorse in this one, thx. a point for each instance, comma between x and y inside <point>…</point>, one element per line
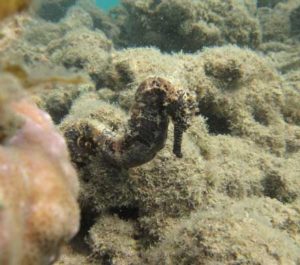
<point>156,101</point>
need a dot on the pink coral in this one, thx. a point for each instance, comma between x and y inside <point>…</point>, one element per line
<point>38,190</point>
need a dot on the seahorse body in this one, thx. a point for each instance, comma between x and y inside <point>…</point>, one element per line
<point>156,100</point>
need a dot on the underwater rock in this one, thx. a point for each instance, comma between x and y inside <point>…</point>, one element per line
<point>295,21</point>
<point>10,30</point>
<point>58,10</point>
<point>279,23</point>
<point>269,3</point>
<point>86,50</point>
<point>71,257</point>
<point>42,42</point>
<point>71,43</point>
<point>101,20</point>
<point>275,24</point>
<point>75,18</point>
<point>174,25</point>
<point>251,231</point>
<point>234,162</point>
<point>54,10</point>
<point>58,101</point>
<point>284,58</point>
<point>240,164</point>
<point>42,32</point>
<point>112,241</point>
<point>239,92</point>
<point>39,186</point>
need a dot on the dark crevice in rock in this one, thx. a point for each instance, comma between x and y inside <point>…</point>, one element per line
<point>54,10</point>
<point>125,212</point>
<point>268,3</point>
<point>217,124</point>
<point>295,21</point>
<point>260,117</point>
<point>276,187</point>
<point>79,243</point>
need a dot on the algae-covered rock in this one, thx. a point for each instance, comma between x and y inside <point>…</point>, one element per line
<point>233,197</point>
<point>295,21</point>
<point>59,100</point>
<point>248,232</point>
<point>269,3</point>
<point>70,44</point>
<point>112,241</point>
<point>238,91</point>
<point>191,25</point>
<point>84,49</point>
<point>237,150</point>
<point>54,10</point>
<point>101,20</point>
<point>239,94</point>
<point>280,22</point>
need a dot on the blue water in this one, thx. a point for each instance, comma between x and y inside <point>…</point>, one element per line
<point>107,4</point>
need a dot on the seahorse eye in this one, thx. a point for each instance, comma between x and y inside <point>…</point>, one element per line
<point>155,84</point>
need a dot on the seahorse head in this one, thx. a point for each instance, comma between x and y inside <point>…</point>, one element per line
<point>183,109</point>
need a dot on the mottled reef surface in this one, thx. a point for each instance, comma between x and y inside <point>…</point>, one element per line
<point>234,196</point>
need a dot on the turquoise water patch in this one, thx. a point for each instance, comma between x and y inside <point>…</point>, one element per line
<point>107,4</point>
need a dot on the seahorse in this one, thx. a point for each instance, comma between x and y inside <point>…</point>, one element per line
<point>156,101</point>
